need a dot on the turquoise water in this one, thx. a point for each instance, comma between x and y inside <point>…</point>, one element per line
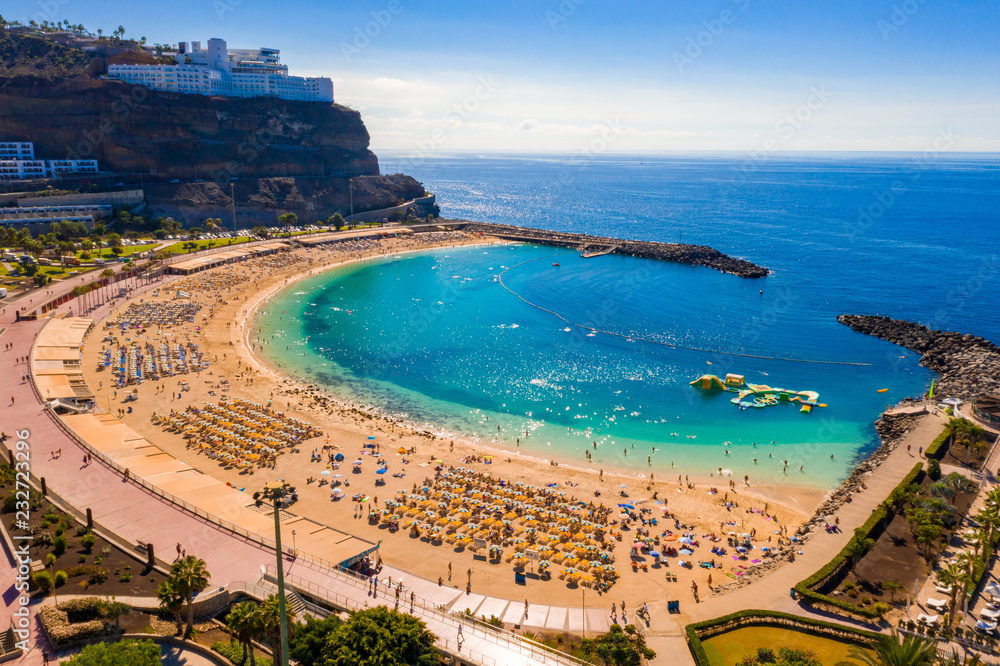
<point>434,335</point>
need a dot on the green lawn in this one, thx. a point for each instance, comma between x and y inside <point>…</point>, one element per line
<point>729,648</point>
<point>127,250</point>
<point>178,247</point>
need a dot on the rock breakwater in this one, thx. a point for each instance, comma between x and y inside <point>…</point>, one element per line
<point>968,364</point>
<point>696,255</point>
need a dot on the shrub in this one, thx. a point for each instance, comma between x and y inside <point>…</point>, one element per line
<point>42,539</point>
<point>43,579</point>
<point>933,469</point>
<point>87,541</point>
<point>880,608</point>
<point>848,586</point>
<point>81,530</point>
<point>44,524</point>
<point>50,559</point>
<point>10,503</point>
<point>125,577</point>
<point>234,653</point>
<point>94,574</point>
<point>59,545</point>
<point>60,578</point>
<point>53,518</point>
<point>852,593</point>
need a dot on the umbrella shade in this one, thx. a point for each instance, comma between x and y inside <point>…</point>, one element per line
<point>359,461</point>
<point>381,470</point>
<point>371,436</point>
<point>337,476</point>
<point>627,506</point>
<point>624,485</point>
<point>685,551</point>
<point>654,553</point>
<point>325,472</point>
<point>400,450</point>
<point>688,540</point>
<point>339,457</point>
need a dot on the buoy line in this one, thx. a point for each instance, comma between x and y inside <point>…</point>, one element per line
<point>655,342</point>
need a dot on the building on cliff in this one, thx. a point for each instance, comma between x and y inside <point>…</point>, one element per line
<point>17,162</point>
<point>219,70</point>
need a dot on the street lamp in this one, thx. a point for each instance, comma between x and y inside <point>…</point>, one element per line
<point>275,492</point>
<point>350,187</point>
<point>232,195</point>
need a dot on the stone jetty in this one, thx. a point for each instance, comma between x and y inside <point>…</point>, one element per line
<point>697,255</point>
<point>968,364</point>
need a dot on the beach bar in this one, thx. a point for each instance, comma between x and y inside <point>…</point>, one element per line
<point>203,263</point>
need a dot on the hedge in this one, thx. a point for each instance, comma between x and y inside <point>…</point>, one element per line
<point>62,631</point>
<point>805,588</point>
<point>937,449</point>
<point>772,618</point>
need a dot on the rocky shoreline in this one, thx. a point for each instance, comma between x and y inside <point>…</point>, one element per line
<point>696,255</point>
<point>969,365</point>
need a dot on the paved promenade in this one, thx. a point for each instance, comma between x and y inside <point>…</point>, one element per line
<point>137,515</point>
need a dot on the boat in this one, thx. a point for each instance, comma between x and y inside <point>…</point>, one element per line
<point>556,264</point>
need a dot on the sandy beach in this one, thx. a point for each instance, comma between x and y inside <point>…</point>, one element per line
<point>223,332</point>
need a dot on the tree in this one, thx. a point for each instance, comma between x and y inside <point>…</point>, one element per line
<point>957,484</point>
<point>209,224</point>
<point>106,276</point>
<point>954,577</point>
<point>27,269</point>
<point>245,622</point>
<point>171,600</point>
<point>288,220</point>
<point>858,546</point>
<point>337,221</point>
<point>261,232</point>
<point>380,637</point>
<point>618,647</point>
<point>889,650</point>
<point>269,614</point>
<point>114,609</point>
<point>41,279</point>
<point>131,652</point>
<point>189,576</point>
<point>115,243</point>
<point>190,246</point>
<point>893,587</point>
<point>785,657</point>
<point>308,639</point>
<point>194,233</point>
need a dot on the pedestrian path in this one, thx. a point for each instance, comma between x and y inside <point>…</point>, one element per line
<point>137,515</point>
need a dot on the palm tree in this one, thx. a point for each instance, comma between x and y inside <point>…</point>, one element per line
<point>989,521</point>
<point>892,587</point>
<point>956,578</point>
<point>889,650</point>
<point>189,576</point>
<point>245,622</point>
<point>270,624</point>
<point>858,546</point>
<point>171,600</point>
<point>107,274</point>
<point>958,659</point>
<point>957,483</point>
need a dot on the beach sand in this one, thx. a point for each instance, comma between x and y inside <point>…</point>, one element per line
<point>226,341</point>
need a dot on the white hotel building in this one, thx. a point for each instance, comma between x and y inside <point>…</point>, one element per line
<point>17,162</point>
<point>219,70</point>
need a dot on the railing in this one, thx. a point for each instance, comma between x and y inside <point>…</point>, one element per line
<point>420,607</point>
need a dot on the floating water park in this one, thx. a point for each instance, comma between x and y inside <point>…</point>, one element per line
<point>757,396</point>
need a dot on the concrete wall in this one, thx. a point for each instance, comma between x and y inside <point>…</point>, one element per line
<point>374,215</point>
<point>127,198</point>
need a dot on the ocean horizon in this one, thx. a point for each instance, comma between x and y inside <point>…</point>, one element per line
<point>435,336</point>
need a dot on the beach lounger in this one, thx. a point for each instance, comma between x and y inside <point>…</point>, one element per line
<point>943,590</point>
<point>937,604</point>
<point>990,615</point>
<point>986,627</point>
<point>928,619</point>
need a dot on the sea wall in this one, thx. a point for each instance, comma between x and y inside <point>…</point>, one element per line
<point>697,255</point>
<point>968,364</point>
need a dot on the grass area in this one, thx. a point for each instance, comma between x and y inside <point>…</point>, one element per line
<point>234,653</point>
<point>127,250</point>
<point>178,247</point>
<point>729,648</point>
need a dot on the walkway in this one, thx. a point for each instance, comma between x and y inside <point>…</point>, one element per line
<point>135,514</point>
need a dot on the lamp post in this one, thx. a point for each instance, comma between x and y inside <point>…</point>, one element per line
<point>232,195</point>
<point>295,549</point>
<point>350,187</point>
<point>274,492</point>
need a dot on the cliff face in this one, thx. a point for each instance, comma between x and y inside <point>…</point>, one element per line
<point>49,94</point>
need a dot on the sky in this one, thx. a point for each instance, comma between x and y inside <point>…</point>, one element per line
<point>433,76</point>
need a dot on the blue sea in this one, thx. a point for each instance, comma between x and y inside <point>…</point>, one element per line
<point>437,337</point>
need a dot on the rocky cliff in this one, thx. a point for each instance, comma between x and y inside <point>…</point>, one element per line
<point>968,364</point>
<point>52,94</point>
